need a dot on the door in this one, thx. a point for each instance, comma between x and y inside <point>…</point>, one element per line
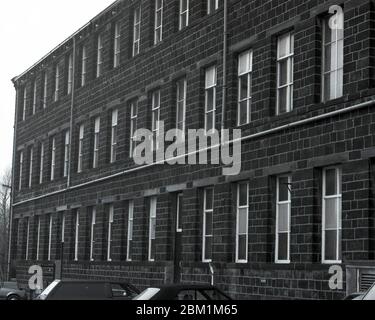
<point>178,238</point>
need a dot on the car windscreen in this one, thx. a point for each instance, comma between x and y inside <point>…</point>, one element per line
<point>44,295</point>
<point>370,295</point>
<point>79,291</point>
<point>148,294</point>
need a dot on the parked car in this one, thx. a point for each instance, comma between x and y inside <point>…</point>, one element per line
<point>354,296</point>
<point>182,292</point>
<point>368,295</point>
<point>88,290</point>
<point>11,291</point>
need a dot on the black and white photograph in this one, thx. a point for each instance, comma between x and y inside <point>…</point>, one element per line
<point>214,151</point>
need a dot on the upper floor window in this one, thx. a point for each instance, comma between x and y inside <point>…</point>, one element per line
<point>96,143</point>
<point>99,61</point>
<point>332,215</point>
<point>39,222</point>
<point>181,104</point>
<point>70,73</point>
<point>66,153</point>
<point>242,225</point>
<point>114,135</point>
<point>155,118</point>
<point>210,98</point>
<point>34,97</point>
<point>84,66</point>
<point>184,14</point>
<point>152,230</point>
<point>136,31</point>
<point>285,69</point>
<point>245,68</point>
<point>208,212</point>
<point>27,238</point>
<point>133,124</point>
<point>20,176</point>
<point>117,48</point>
<point>24,109</point>
<point>50,227</point>
<point>158,21</point>
<point>212,5</point>
<point>53,159</point>
<point>31,166</point>
<point>57,83</point>
<point>333,61</point>
<point>283,217</point>
<point>109,239</point>
<point>80,148</point>
<point>45,90</point>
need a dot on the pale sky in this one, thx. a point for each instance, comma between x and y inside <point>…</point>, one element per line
<point>28,31</point>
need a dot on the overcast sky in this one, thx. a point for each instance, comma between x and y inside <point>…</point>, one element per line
<point>28,31</point>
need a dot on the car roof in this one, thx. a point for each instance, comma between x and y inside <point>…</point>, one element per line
<point>92,281</point>
<point>185,286</point>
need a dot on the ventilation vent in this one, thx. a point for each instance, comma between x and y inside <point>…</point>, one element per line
<point>366,281</point>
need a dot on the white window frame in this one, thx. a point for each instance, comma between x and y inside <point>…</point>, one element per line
<point>155,110</point>
<point>84,66</point>
<point>50,237</point>
<point>27,239</point>
<point>34,97</point>
<point>158,37</point>
<point>184,13</point>
<point>205,212</point>
<point>247,223</point>
<point>70,73</point>
<point>45,90</point>
<point>133,125</point>
<point>289,58</point>
<point>336,66</point>
<point>277,232</point>
<point>20,172</point>
<point>24,109</point>
<point>210,84</point>
<point>338,197</point>
<point>99,60</point>
<point>130,230</point>
<point>178,212</point>
<point>181,101</point>
<point>117,47</point>
<point>41,164</point>
<point>63,217</point>
<point>80,148</point>
<point>111,215</point>
<point>31,165</point>
<point>247,72</point>
<point>38,239</point>
<point>153,206</point>
<point>76,236</point>
<point>136,30</point>
<point>114,135</point>
<point>92,233</point>
<point>53,159</point>
<point>209,4</point>
<point>66,153</point>
<point>57,83</point>
<point>96,143</point>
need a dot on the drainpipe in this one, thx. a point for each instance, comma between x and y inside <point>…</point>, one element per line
<point>71,113</point>
<point>225,41</point>
<point>12,184</point>
<point>212,273</point>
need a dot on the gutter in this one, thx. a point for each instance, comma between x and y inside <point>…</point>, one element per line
<point>225,45</point>
<point>246,138</point>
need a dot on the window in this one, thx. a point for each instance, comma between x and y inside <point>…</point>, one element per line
<point>20,172</point>
<point>50,237</point>
<point>333,61</point>
<point>34,97</point>
<point>114,136</point>
<point>76,236</point>
<point>152,232</point>
<point>66,153</point>
<point>242,233</point>
<point>41,165</point>
<point>53,159</point>
<point>31,164</point>
<point>155,118</point>
<point>96,143</point>
<point>63,227</point>
<point>84,66</point>
<point>283,217</point>
<point>285,61</point>
<point>38,238</point>
<point>184,14</point>
<point>133,124</point>
<point>80,148</point>
<point>24,109</point>
<point>208,224</point>
<point>57,83</point>
<point>117,48</point>
<point>70,73</point>
<point>136,31</point>
<point>27,238</point>
<point>92,233</point>
<point>181,105</point>
<point>99,61</point>
<point>179,212</point>
<point>109,239</point>
<point>245,68</point>
<point>210,98</point>
<point>130,231</point>
<point>212,5</point>
<point>45,90</point>
<point>332,215</point>
<point>158,21</point>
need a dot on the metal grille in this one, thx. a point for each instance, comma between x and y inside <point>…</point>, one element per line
<point>366,281</point>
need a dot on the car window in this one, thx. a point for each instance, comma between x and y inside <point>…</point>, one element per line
<point>370,294</point>
<point>120,290</point>
<point>148,294</point>
<point>79,291</point>
<point>214,295</point>
<point>190,295</point>
<point>11,285</point>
